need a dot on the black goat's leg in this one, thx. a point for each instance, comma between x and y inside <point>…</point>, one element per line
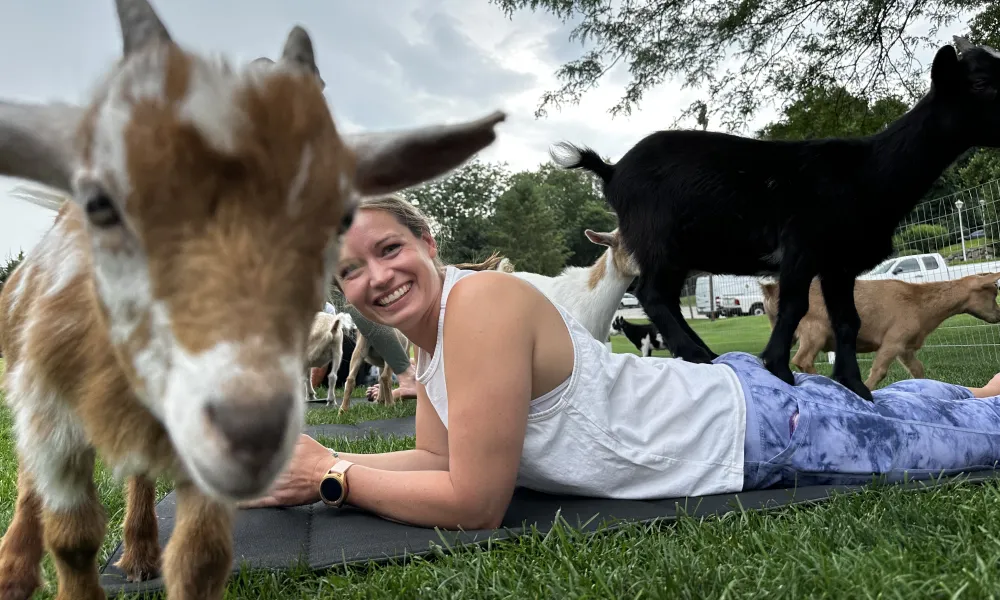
<point>838,294</point>
<point>657,293</point>
<point>794,280</point>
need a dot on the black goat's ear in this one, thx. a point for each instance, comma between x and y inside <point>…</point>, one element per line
<point>946,73</point>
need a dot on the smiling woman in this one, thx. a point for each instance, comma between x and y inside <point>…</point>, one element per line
<point>531,398</point>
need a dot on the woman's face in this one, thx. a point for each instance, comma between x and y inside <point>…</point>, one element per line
<point>386,272</point>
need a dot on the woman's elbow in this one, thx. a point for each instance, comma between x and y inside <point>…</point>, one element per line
<point>481,513</point>
<point>481,520</point>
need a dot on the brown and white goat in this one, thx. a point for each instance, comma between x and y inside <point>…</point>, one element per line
<point>896,318</point>
<point>326,344</point>
<point>162,321</point>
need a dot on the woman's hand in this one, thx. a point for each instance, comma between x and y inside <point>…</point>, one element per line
<point>299,483</point>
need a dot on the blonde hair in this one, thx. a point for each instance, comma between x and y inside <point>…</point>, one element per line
<point>418,224</point>
<point>409,216</point>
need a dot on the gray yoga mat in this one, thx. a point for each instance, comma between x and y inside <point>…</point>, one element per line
<point>321,537</point>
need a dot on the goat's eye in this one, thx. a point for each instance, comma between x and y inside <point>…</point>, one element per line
<point>101,211</point>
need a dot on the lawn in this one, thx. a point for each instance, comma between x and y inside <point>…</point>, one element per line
<point>884,543</point>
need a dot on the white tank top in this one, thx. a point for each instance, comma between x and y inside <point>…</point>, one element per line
<point>621,426</point>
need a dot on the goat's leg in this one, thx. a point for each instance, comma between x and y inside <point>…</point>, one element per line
<point>838,294</point>
<point>909,360</point>
<point>331,384</point>
<point>385,386</point>
<point>357,358</point>
<point>198,559</point>
<point>74,524</point>
<point>793,304</point>
<point>805,356</point>
<point>141,558</point>
<point>880,365</point>
<point>310,390</point>
<point>655,294</point>
<point>22,548</point>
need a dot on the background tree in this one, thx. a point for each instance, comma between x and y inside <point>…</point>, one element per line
<point>578,205</point>
<point>526,229</point>
<point>461,206</point>
<point>780,47</point>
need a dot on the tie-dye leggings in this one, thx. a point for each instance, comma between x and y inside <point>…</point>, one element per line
<point>818,432</point>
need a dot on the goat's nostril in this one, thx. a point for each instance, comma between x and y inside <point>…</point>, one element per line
<point>251,427</point>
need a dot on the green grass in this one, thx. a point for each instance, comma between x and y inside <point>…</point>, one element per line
<point>882,543</point>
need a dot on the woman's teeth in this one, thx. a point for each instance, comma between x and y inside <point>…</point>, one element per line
<point>396,295</point>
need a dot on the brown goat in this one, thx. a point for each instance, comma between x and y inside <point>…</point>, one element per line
<point>161,322</point>
<point>896,318</point>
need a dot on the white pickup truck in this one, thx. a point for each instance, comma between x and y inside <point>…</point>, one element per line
<point>920,268</point>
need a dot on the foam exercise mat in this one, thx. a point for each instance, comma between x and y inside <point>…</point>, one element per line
<point>321,537</point>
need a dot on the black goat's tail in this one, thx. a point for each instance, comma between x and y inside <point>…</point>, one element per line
<point>568,156</point>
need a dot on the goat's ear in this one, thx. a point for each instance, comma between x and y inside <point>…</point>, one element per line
<point>391,161</point>
<point>962,44</point>
<point>338,323</point>
<point>36,142</point>
<point>601,239</point>
<point>299,51</point>
<point>990,279</point>
<point>140,25</point>
<point>946,73</point>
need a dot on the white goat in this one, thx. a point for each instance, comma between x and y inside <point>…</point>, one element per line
<point>162,320</point>
<point>591,294</point>
<point>325,345</point>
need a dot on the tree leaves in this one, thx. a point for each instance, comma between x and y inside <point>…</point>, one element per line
<point>749,52</point>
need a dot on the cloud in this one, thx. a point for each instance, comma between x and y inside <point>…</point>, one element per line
<point>387,64</point>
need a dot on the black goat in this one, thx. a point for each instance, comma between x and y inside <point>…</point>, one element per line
<point>644,337</point>
<point>826,207</point>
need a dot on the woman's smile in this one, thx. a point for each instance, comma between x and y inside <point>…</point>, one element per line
<point>393,297</point>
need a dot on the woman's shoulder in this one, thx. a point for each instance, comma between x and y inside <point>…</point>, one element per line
<point>493,293</point>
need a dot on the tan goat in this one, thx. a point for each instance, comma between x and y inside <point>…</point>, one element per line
<point>162,320</point>
<point>896,318</point>
<point>326,344</point>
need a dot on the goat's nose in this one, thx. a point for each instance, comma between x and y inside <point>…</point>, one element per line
<point>253,429</point>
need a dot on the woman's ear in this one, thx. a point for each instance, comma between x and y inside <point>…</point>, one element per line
<point>428,239</point>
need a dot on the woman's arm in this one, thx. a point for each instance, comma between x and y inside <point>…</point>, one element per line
<point>487,414</point>
<point>299,483</point>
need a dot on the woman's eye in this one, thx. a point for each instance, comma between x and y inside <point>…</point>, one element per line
<point>102,212</point>
<point>390,248</point>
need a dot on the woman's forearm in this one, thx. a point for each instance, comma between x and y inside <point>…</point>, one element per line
<point>401,460</point>
<point>421,498</point>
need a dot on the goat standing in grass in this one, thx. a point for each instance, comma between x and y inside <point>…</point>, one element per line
<point>645,337</point>
<point>325,345</point>
<point>162,320</point>
<point>896,318</point>
<point>824,207</point>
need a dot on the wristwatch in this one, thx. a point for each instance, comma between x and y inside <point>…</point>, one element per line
<point>333,486</point>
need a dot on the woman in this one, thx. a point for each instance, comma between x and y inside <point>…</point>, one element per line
<point>532,399</point>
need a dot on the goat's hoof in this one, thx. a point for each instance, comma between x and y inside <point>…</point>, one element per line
<point>780,371</point>
<point>140,565</point>
<point>697,355</point>
<point>857,386</point>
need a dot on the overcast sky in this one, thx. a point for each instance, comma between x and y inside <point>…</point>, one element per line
<point>387,64</point>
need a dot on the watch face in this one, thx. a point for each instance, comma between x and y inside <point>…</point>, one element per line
<point>330,489</point>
